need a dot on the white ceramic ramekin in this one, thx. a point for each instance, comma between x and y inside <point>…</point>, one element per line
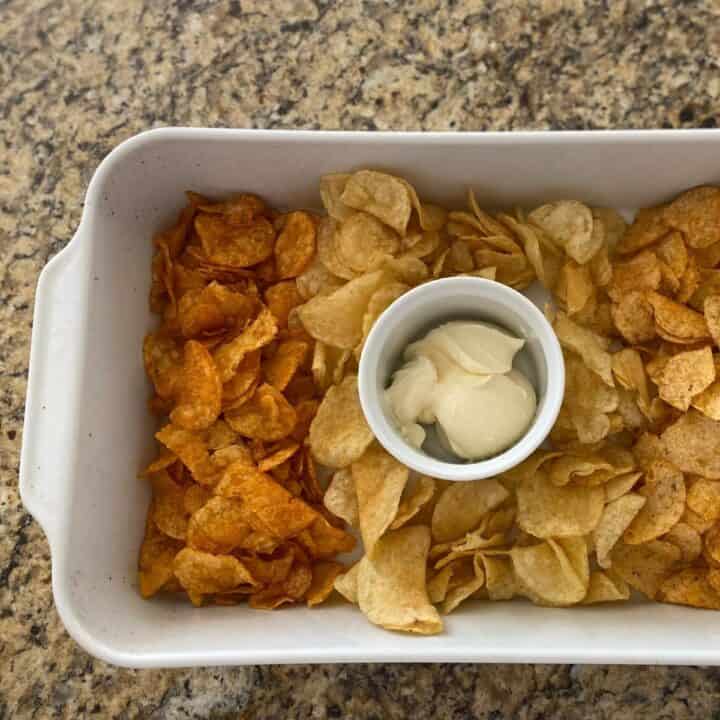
<point>461,298</point>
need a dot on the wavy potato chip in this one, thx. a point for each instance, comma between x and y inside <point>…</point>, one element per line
<point>317,279</point>
<point>332,187</point>
<point>615,519</point>
<point>617,486</point>
<point>322,584</point>
<point>347,583</point>
<point>461,507</point>
<point>391,588</point>
<point>192,449</point>
<point>281,298</point>
<point>295,245</point>
<point>266,416</point>
<point>633,317</point>
<point>382,195</point>
<point>545,510</point>
<point>664,491</point>
<point>379,483</point>
<point>339,433</point>
<point>284,363</point>
<point>466,578</point>
<point>642,272</point>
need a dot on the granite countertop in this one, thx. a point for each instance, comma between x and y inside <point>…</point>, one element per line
<point>79,76</point>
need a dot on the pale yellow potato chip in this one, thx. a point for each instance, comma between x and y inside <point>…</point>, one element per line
<point>711,308</point>
<point>570,224</point>
<point>466,579</point>
<point>687,538</point>
<point>573,466</point>
<point>685,376</point>
<point>664,491</point>
<point>613,224</point>
<point>379,483</point>
<point>577,286</point>
<point>340,498</point>
<point>418,492</point>
<point>645,567</point>
<point>332,187</point>
<point>615,519</point>
<point>617,486</point>
<point>590,346</point>
<point>339,433</point>
<point>692,443</point>
<point>462,505</point>
<point>606,587</point>
<point>382,195</point>
<point>336,319</point>
<point>327,249</point>
<point>391,587</point>
<point>347,583</point>
<point>362,241</point>
<point>380,301</point>
<point>629,371</point>
<point>500,580</point>
<point>545,510</point>
<point>703,498</point>
<point>316,279</point>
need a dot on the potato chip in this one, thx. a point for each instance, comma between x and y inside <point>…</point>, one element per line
<point>605,587</point>
<point>290,590</point>
<point>684,376</point>
<point>617,486</point>
<point>241,386</point>
<point>552,573</point>
<point>163,362</point>
<point>382,195</point>
<point>362,242</point>
<point>664,491</point>
<point>279,456</point>
<point>690,587</point>
<point>648,227</point>
<point>571,466</point>
<point>629,371</point>
<point>192,449</point>
<point>466,578</point>
<point>703,498</point>
<point>379,483</point>
<point>324,575</point>
<point>316,279</point>
<point>266,416</point>
<point>592,348</point>
<point>339,434</point>
<point>211,309</point>
<point>645,567</point>
<point>696,213</point>
<point>257,335</point>
<point>235,245</point>
<point>379,302</point>
<point>332,187</point>
<point>168,509</point>
<point>692,443</point>
<point>711,308</point>
<point>281,298</point>
<point>500,580</point>
<point>642,272</point>
<point>687,539</point>
<point>545,510</point>
<point>677,323</point>
<point>461,507</point>
<point>616,517</point>
<point>391,588</point>
<point>633,317</point>
<point>575,286</point>
<point>281,367</point>
<point>203,573</point>
<point>570,224</point>
<point>347,583</point>
<point>155,562</point>
<point>418,491</point>
<point>327,252</point>
<point>295,244</point>
<point>438,584</point>
<point>340,498</point>
<point>336,319</point>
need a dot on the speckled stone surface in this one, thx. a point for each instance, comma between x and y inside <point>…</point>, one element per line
<point>79,76</point>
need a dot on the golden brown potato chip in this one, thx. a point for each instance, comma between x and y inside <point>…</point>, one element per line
<point>168,505</point>
<point>418,492</point>
<point>257,335</point>
<point>633,317</point>
<point>647,228</point>
<point>545,510</point>
<point>576,284</point>
<point>281,367</point>
<point>570,224</point>
<point>163,362</point>
<point>323,540</point>
<point>382,195</point>
<point>191,447</point>
<point>690,587</point>
<point>362,241</point>
<point>379,483</point>
<point>281,298</point>
<point>711,308</point>
<point>642,272</point>
<point>241,386</point>
<point>617,487</point>
<point>703,498</point>
<point>235,245</point>
<point>692,443</point>
<point>339,433</point>
<point>629,371</point>
<point>467,577</point>
<point>500,581</point>
<point>336,319</point>
<point>266,416</point>
<point>672,251</point>
<point>684,376</point>
<point>615,519</point>
<point>605,587</point>
<point>438,584</point>
<point>573,466</point>
<point>155,563</point>
<point>295,245</point>
<point>324,575</point>
<point>278,456</point>
<point>340,498</point>
<point>553,573</point>
<point>664,491</point>
<point>199,390</point>
<point>645,567</point>
<point>461,507</point>
<point>696,213</point>
<point>391,587</point>
<point>203,573</point>
<point>195,497</point>
<point>687,539</point>
<point>590,346</point>
<point>677,323</point>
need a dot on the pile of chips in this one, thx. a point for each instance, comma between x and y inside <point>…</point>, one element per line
<point>237,510</point>
<point>264,320</point>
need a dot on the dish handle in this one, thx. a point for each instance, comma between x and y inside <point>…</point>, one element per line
<point>56,352</point>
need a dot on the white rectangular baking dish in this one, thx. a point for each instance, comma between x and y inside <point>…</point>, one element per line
<point>87,429</point>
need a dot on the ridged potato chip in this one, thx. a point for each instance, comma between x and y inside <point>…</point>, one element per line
<point>201,573</point>
<point>590,346</point>
<point>339,433</point>
<point>340,497</point>
<point>642,272</point>
<point>332,187</point>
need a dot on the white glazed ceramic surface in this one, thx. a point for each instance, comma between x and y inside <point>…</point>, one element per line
<point>87,429</point>
<point>462,298</point>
